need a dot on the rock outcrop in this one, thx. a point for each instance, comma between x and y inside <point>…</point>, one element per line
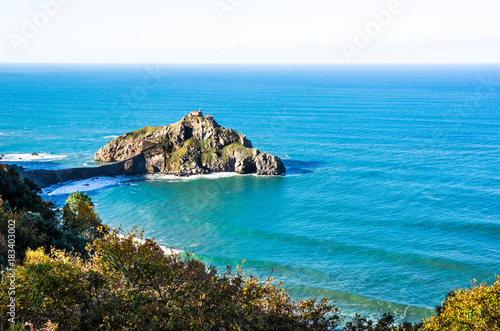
<point>192,146</point>
<point>134,166</point>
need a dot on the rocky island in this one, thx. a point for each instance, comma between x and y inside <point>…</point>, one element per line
<point>193,146</point>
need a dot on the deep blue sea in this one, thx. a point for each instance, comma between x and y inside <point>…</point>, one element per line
<point>392,195</point>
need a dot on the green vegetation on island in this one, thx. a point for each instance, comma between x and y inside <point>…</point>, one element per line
<point>73,273</point>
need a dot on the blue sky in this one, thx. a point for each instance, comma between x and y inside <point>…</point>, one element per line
<point>250,31</point>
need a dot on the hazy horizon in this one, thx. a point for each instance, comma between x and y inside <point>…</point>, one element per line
<point>259,32</point>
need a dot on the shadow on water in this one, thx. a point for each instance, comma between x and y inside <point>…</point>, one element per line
<point>294,167</point>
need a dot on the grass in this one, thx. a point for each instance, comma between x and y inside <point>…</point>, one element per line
<point>207,157</point>
<point>237,147</point>
<point>141,132</point>
<point>192,142</point>
<point>174,162</point>
<point>203,144</point>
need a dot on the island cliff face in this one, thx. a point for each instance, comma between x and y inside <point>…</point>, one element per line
<point>192,146</point>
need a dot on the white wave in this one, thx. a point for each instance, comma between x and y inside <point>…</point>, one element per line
<point>171,178</point>
<point>166,250</point>
<point>25,157</point>
<point>431,197</point>
<point>84,185</point>
<point>170,251</point>
<point>111,137</point>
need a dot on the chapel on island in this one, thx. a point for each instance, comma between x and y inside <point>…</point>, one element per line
<point>199,113</point>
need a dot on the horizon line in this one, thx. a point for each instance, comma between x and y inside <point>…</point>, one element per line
<point>264,63</point>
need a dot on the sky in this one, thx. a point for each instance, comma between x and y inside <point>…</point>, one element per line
<point>250,31</point>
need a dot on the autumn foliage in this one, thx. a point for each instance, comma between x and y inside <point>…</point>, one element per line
<point>474,309</point>
<point>129,283</point>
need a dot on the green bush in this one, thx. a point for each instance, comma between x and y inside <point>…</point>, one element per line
<point>128,283</point>
<point>473,309</point>
<point>79,216</point>
<point>19,326</point>
<point>36,220</point>
<point>22,195</point>
<point>385,323</point>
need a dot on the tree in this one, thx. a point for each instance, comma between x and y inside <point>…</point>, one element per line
<point>474,309</point>
<point>23,194</point>
<point>35,220</point>
<point>79,216</point>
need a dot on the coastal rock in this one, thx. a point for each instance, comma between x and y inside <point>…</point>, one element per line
<point>130,144</point>
<point>269,165</point>
<point>192,146</point>
<point>133,166</point>
<point>245,166</point>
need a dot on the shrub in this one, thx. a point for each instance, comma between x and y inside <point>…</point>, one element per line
<point>36,220</point>
<point>473,309</point>
<point>385,323</point>
<point>23,194</point>
<point>128,283</point>
<point>79,216</point>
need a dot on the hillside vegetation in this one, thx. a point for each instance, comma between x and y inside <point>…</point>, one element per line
<point>73,273</point>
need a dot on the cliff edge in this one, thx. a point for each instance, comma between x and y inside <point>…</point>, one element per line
<point>192,146</point>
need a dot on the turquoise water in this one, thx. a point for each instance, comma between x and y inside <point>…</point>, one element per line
<point>392,193</point>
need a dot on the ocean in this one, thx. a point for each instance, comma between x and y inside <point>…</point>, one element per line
<point>391,197</point>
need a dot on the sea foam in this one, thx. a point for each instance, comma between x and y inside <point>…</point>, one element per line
<point>85,185</point>
<point>166,250</point>
<point>173,178</point>
<point>25,157</point>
